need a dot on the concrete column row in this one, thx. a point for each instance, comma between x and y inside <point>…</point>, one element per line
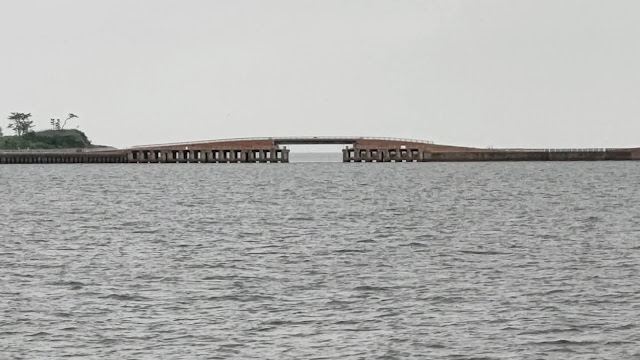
<point>71,158</point>
<point>209,156</point>
<point>382,155</point>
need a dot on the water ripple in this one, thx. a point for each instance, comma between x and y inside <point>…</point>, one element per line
<point>320,261</point>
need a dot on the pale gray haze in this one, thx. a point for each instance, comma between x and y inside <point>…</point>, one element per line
<point>483,73</point>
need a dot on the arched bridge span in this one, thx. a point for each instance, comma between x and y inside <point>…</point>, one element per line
<point>273,149</point>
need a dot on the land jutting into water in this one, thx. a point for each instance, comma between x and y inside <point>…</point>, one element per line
<point>47,139</point>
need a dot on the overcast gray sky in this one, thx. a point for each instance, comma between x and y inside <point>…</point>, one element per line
<point>534,73</point>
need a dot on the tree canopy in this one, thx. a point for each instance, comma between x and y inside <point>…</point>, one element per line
<point>21,123</point>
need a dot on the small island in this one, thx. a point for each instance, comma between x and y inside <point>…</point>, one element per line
<point>27,138</point>
<point>46,139</point>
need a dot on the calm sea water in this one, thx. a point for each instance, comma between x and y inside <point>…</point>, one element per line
<point>320,261</point>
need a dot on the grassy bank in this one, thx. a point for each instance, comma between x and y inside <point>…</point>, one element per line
<point>48,139</point>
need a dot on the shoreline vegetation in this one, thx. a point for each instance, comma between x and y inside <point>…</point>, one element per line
<point>27,138</point>
<point>46,139</point>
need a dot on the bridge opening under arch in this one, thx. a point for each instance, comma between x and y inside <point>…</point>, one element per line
<point>315,153</point>
<point>318,148</point>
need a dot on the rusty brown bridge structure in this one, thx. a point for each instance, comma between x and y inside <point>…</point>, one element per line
<point>273,150</point>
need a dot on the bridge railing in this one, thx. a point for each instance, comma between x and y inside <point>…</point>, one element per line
<point>562,150</point>
<point>351,138</point>
<point>200,142</point>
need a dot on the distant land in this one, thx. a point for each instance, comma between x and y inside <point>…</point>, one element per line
<point>47,139</point>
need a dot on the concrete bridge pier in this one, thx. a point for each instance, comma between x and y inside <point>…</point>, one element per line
<point>374,154</point>
<point>384,155</point>
<point>132,156</point>
<point>183,154</point>
<point>194,156</point>
<point>364,155</point>
<point>259,156</point>
<point>62,157</point>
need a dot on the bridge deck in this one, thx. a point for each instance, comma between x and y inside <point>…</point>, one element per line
<point>316,141</point>
<point>298,140</point>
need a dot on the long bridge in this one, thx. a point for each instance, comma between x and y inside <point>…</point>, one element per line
<point>273,150</point>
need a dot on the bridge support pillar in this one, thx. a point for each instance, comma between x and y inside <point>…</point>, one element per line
<point>418,154</point>
<point>133,156</point>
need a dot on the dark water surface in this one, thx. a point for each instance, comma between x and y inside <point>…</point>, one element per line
<point>320,261</point>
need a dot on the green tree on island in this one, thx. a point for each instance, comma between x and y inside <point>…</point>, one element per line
<point>22,124</point>
<point>55,138</point>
